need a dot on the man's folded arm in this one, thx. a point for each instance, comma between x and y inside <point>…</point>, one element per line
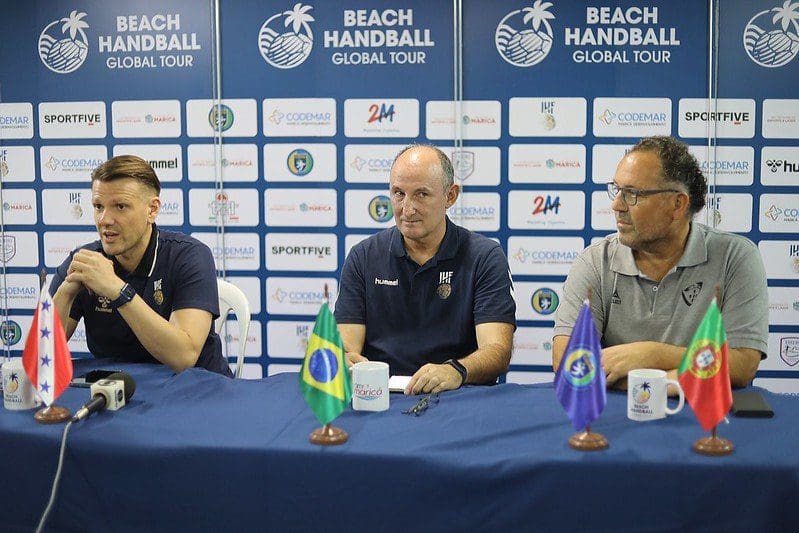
<point>178,342</point>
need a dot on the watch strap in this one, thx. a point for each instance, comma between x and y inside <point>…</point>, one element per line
<point>126,294</point>
<point>454,363</point>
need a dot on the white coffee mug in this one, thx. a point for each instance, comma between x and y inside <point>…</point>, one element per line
<point>370,386</point>
<point>18,392</point>
<point>647,395</point>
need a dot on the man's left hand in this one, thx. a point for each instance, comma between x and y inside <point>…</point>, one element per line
<point>618,360</point>
<point>96,272</point>
<point>432,378</point>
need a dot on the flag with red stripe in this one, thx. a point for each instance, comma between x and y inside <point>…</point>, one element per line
<point>46,357</point>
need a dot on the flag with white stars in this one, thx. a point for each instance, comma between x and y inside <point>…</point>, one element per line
<point>46,357</point>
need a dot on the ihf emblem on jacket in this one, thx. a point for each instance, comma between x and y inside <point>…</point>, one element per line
<point>158,294</point>
<point>444,284</point>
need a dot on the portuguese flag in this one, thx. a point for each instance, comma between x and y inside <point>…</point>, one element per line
<point>324,379</point>
<point>704,371</point>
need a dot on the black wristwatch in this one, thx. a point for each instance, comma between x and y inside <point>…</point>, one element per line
<point>459,367</point>
<point>126,294</point>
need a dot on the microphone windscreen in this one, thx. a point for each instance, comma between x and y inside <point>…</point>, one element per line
<point>130,385</point>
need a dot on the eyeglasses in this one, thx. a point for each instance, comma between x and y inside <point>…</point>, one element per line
<point>422,405</point>
<point>630,196</point>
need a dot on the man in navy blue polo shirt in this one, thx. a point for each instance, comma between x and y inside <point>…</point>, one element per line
<point>145,294</point>
<point>430,298</point>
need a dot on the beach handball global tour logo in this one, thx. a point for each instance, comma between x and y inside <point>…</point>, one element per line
<point>524,36</point>
<point>771,37</point>
<point>285,39</point>
<point>63,45</point>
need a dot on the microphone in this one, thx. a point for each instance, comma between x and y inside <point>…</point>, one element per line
<point>111,393</point>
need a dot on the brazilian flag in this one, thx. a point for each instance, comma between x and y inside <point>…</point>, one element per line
<point>324,379</point>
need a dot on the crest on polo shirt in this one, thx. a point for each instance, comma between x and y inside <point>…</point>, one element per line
<point>103,304</point>
<point>690,293</point>
<point>444,284</point>
<point>616,299</point>
<point>158,294</point>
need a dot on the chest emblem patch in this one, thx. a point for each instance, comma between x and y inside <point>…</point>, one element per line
<point>690,293</point>
<point>158,294</point>
<point>444,284</point>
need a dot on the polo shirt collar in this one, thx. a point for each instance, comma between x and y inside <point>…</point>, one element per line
<point>145,267</point>
<point>447,250</point>
<point>695,253</point>
<point>695,248</point>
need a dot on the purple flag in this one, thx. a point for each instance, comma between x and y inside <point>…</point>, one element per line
<point>580,380</point>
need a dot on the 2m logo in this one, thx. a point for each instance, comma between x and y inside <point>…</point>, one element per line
<point>544,206</point>
<point>379,112</point>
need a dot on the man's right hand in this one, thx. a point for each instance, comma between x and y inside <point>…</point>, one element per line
<point>353,357</point>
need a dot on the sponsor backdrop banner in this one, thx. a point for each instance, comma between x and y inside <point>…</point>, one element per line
<point>318,97</point>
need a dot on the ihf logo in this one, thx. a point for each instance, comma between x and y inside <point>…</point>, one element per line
<point>288,49</point>
<point>524,37</point>
<point>771,37</point>
<point>63,45</point>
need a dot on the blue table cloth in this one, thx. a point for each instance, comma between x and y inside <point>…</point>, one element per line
<point>200,452</point>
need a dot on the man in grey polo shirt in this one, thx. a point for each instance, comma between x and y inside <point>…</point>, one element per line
<point>652,281</point>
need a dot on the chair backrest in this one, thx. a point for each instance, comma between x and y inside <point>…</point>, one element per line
<point>232,299</point>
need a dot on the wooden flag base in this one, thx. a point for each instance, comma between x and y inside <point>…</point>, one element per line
<point>328,436</point>
<point>585,441</point>
<point>713,445</point>
<point>54,414</point>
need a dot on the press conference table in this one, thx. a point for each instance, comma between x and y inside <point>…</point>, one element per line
<point>199,452</point>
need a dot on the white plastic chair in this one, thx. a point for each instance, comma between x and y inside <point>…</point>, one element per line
<point>231,298</point>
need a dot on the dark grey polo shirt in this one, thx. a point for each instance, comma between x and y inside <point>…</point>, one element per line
<point>628,307</point>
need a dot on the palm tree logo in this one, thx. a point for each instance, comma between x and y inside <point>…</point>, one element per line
<point>291,48</point>
<point>778,43</point>
<point>642,392</point>
<point>12,384</point>
<point>65,52</point>
<point>526,47</point>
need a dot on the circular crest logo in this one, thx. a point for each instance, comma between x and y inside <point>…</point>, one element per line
<point>707,361</point>
<point>3,168</point>
<point>444,290</point>
<point>580,367</point>
<point>10,332</point>
<point>221,117</point>
<point>545,301</point>
<point>380,208</point>
<point>63,45</point>
<point>300,162</point>
<point>524,37</point>
<point>773,40</point>
<point>323,365</point>
<point>287,49</point>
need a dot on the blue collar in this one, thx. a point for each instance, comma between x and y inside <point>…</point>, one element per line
<point>446,250</point>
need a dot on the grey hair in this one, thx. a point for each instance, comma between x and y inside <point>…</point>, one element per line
<point>447,172</point>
